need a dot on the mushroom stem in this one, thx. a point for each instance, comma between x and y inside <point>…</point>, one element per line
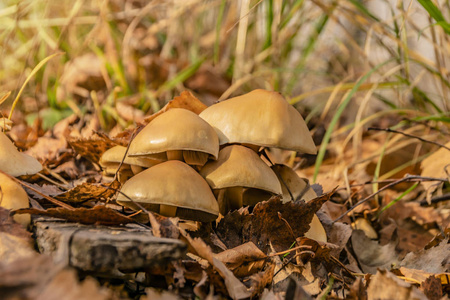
<point>167,210</point>
<point>175,155</point>
<point>234,197</point>
<point>136,169</point>
<point>195,158</point>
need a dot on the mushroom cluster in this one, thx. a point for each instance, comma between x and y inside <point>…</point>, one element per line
<point>189,176</point>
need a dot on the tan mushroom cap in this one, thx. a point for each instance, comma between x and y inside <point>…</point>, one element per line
<point>300,189</point>
<point>113,157</point>
<point>14,162</point>
<point>238,166</point>
<point>176,129</point>
<point>260,118</point>
<point>13,196</point>
<point>171,188</point>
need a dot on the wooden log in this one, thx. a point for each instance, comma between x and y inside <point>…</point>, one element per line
<point>105,249</point>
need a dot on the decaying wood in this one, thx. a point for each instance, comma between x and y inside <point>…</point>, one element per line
<point>105,249</point>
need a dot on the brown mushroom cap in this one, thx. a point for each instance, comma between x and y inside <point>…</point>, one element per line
<point>260,118</point>
<point>176,129</point>
<point>112,158</point>
<point>13,196</point>
<point>14,162</point>
<point>238,166</point>
<point>171,184</point>
<point>300,189</point>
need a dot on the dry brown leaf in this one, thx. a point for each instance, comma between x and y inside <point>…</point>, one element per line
<point>243,260</point>
<point>65,285</point>
<point>421,276</point>
<point>152,294</point>
<point>262,279</point>
<point>235,288</point>
<point>99,214</point>
<point>81,75</point>
<point>93,148</point>
<point>432,288</point>
<point>434,166</point>
<point>186,100</point>
<point>434,260</point>
<point>8,225</point>
<point>372,255</point>
<point>89,191</point>
<point>264,225</point>
<point>386,286</point>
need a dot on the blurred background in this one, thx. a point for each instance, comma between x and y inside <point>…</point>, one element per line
<point>346,65</point>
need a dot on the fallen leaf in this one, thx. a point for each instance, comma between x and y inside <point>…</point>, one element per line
<point>243,260</point>
<point>89,191</point>
<point>386,286</point>
<point>186,100</point>
<point>432,288</point>
<point>99,214</point>
<point>264,225</point>
<point>433,260</point>
<point>93,148</point>
<point>235,288</point>
<point>421,276</point>
<point>8,225</point>
<point>152,294</point>
<point>372,255</point>
<point>434,166</point>
<point>65,285</point>
<point>259,281</point>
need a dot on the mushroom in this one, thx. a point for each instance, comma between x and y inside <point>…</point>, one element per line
<point>239,177</point>
<point>177,134</point>
<point>295,188</point>
<point>14,162</point>
<point>13,196</point>
<point>364,225</point>
<point>112,158</point>
<point>171,189</point>
<point>260,118</point>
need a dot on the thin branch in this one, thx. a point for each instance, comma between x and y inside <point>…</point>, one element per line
<point>408,178</point>
<point>409,135</point>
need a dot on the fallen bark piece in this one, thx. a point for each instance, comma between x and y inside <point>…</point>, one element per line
<point>105,249</point>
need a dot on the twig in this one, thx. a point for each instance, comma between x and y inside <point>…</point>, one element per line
<point>409,135</point>
<point>435,200</point>
<point>404,179</point>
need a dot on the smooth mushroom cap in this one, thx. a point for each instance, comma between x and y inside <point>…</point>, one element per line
<point>14,162</point>
<point>239,166</point>
<point>260,118</point>
<point>13,196</point>
<point>299,189</point>
<point>176,129</point>
<point>171,184</point>
<point>113,157</point>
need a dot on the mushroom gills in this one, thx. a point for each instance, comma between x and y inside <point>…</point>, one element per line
<point>167,210</point>
<point>195,158</point>
<point>252,196</point>
<point>136,169</point>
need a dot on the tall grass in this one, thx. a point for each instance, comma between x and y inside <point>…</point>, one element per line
<point>312,51</point>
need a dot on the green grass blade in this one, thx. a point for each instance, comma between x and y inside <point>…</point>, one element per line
<point>436,14</point>
<point>218,27</point>
<point>398,198</point>
<point>340,110</point>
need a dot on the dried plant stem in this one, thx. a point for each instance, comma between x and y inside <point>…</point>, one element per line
<point>409,135</point>
<point>408,178</point>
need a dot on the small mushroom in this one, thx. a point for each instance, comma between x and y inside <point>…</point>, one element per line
<point>13,196</point>
<point>177,134</point>
<point>112,158</point>
<point>171,189</point>
<point>239,177</point>
<point>260,118</point>
<point>14,162</point>
<point>364,225</point>
<point>295,188</point>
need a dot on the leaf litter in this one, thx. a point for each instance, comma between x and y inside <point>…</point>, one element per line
<point>252,252</point>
